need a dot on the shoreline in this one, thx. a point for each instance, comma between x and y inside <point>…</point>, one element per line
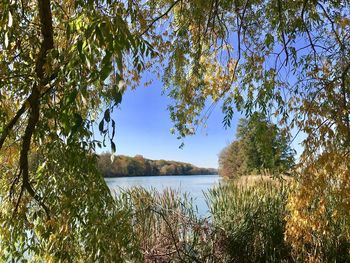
<point>167,175</point>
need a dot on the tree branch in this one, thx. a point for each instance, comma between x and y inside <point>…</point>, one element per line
<point>47,32</point>
<point>11,124</point>
<point>160,17</point>
<point>34,98</point>
<point>279,5</point>
<point>307,29</point>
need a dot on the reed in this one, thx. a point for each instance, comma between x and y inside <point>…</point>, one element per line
<point>252,219</point>
<point>168,228</point>
<point>246,224</point>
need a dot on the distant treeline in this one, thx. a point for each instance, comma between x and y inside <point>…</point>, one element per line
<point>139,166</point>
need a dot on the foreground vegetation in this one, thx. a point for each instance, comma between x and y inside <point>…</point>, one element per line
<point>248,220</point>
<point>121,165</point>
<point>246,223</point>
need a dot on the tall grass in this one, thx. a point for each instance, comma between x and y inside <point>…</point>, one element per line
<point>167,227</point>
<point>253,221</point>
<point>246,224</point>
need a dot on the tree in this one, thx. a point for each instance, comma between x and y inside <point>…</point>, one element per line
<point>61,62</point>
<point>260,145</point>
<point>231,161</point>
<point>287,59</point>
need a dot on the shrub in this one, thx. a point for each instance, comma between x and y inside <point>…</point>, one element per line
<point>318,225</point>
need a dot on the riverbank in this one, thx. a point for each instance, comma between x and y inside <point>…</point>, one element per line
<point>126,166</point>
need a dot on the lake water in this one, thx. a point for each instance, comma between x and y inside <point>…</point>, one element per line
<point>194,185</point>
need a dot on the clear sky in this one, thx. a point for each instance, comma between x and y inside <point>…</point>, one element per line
<point>143,127</point>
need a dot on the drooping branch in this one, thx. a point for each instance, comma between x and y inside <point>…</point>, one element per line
<point>24,166</point>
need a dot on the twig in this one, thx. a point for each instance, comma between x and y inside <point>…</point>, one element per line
<point>160,17</point>
<point>12,123</point>
<point>282,31</point>
<point>307,29</point>
<point>18,200</point>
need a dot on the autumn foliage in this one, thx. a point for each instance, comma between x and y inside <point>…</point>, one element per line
<point>140,166</point>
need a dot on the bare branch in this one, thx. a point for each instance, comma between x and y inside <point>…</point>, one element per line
<point>282,31</point>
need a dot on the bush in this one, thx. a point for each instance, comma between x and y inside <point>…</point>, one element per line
<point>318,225</point>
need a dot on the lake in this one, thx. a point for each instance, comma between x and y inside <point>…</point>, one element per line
<point>194,185</point>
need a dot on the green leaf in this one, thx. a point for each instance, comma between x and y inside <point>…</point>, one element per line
<point>80,46</point>
<point>99,35</point>
<point>269,39</point>
<point>105,72</point>
<point>113,147</point>
<point>113,128</point>
<point>107,115</point>
<point>119,60</point>
<point>117,95</point>
<point>106,66</point>
<point>101,125</point>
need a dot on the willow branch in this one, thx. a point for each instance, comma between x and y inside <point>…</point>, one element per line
<point>45,16</point>
<point>160,17</point>
<point>11,124</point>
<point>279,5</point>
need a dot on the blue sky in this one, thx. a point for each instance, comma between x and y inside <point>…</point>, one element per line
<point>143,127</point>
